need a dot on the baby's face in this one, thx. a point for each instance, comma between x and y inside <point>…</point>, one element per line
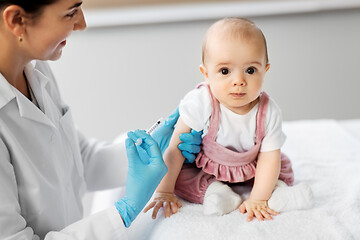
<point>235,70</point>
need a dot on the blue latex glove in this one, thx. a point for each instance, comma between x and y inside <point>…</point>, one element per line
<point>146,169</point>
<point>190,145</point>
<point>163,133</point>
<point>191,141</point>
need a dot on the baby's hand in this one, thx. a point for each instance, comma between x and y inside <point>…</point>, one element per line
<point>168,201</point>
<point>257,208</point>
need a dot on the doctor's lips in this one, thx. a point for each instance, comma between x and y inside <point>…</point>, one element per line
<point>63,43</point>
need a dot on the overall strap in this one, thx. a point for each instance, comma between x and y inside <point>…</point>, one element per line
<point>261,117</point>
<point>215,114</point>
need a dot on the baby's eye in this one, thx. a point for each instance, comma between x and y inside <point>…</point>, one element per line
<point>224,71</point>
<point>250,70</point>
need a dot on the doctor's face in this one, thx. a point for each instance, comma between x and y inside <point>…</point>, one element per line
<point>45,36</point>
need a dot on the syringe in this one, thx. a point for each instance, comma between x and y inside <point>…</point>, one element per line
<point>150,130</point>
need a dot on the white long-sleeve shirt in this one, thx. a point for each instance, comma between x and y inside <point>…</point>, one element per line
<point>46,166</point>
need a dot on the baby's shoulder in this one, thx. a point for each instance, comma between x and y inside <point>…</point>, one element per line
<point>273,106</point>
<point>273,113</point>
<point>199,95</point>
<point>195,108</point>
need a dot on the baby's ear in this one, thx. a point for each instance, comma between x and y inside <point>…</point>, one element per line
<point>203,71</point>
<point>267,67</point>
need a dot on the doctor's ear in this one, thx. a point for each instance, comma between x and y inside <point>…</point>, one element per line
<point>203,70</point>
<point>14,18</point>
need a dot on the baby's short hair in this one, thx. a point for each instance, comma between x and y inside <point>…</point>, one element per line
<point>235,27</point>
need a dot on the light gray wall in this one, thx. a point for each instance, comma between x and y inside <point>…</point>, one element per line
<point>126,77</point>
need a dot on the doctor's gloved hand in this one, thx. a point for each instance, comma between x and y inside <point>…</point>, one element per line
<point>146,169</point>
<point>190,145</point>
<point>163,133</point>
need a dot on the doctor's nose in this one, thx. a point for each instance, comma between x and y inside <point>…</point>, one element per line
<point>80,24</point>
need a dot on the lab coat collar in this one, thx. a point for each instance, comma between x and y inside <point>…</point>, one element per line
<point>6,93</point>
<point>7,90</point>
<point>33,74</point>
<point>37,81</point>
<point>26,108</point>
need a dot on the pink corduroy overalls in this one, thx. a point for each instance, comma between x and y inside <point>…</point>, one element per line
<point>215,162</point>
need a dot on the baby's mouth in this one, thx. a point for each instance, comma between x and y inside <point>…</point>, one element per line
<point>238,94</point>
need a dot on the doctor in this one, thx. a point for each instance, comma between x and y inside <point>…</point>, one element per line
<point>46,165</point>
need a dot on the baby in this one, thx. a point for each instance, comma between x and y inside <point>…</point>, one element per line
<point>242,133</point>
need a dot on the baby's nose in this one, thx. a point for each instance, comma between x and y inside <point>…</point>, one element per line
<point>239,80</point>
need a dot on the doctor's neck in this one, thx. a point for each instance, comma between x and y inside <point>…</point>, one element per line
<point>12,63</point>
<point>14,15</point>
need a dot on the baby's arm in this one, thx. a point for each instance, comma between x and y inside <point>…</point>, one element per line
<point>173,159</point>
<point>164,196</point>
<point>266,176</point>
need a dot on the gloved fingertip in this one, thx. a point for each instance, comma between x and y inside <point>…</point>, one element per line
<point>181,146</point>
<point>193,132</point>
<point>175,113</point>
<point>189,158</point>
<point>133,135</point>
<point>184,137</point>
<point>137,131</point>
<point>129,142</point>
<point>172,119</point>
<point>196,149</point>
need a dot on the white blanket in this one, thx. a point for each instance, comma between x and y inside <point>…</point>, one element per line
<point>324,154</point>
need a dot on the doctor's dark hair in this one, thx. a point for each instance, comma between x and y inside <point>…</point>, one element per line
<point>32,7</point>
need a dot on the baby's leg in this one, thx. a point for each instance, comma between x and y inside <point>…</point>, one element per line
<point>220,199</point>
<point>285,198</point>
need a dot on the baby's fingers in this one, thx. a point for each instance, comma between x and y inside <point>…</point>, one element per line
<point>179,204</point>
<point>250,215</point>
<point>272,212</point>
<point>157,207</point>
<point>258,215</point>
<point>175,206</point>
<point>242,208</point>
<point>266,214</point>
<point>170,208</point>
<point>150,206</point>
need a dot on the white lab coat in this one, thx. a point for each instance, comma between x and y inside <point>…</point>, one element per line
<point>46,166</point>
